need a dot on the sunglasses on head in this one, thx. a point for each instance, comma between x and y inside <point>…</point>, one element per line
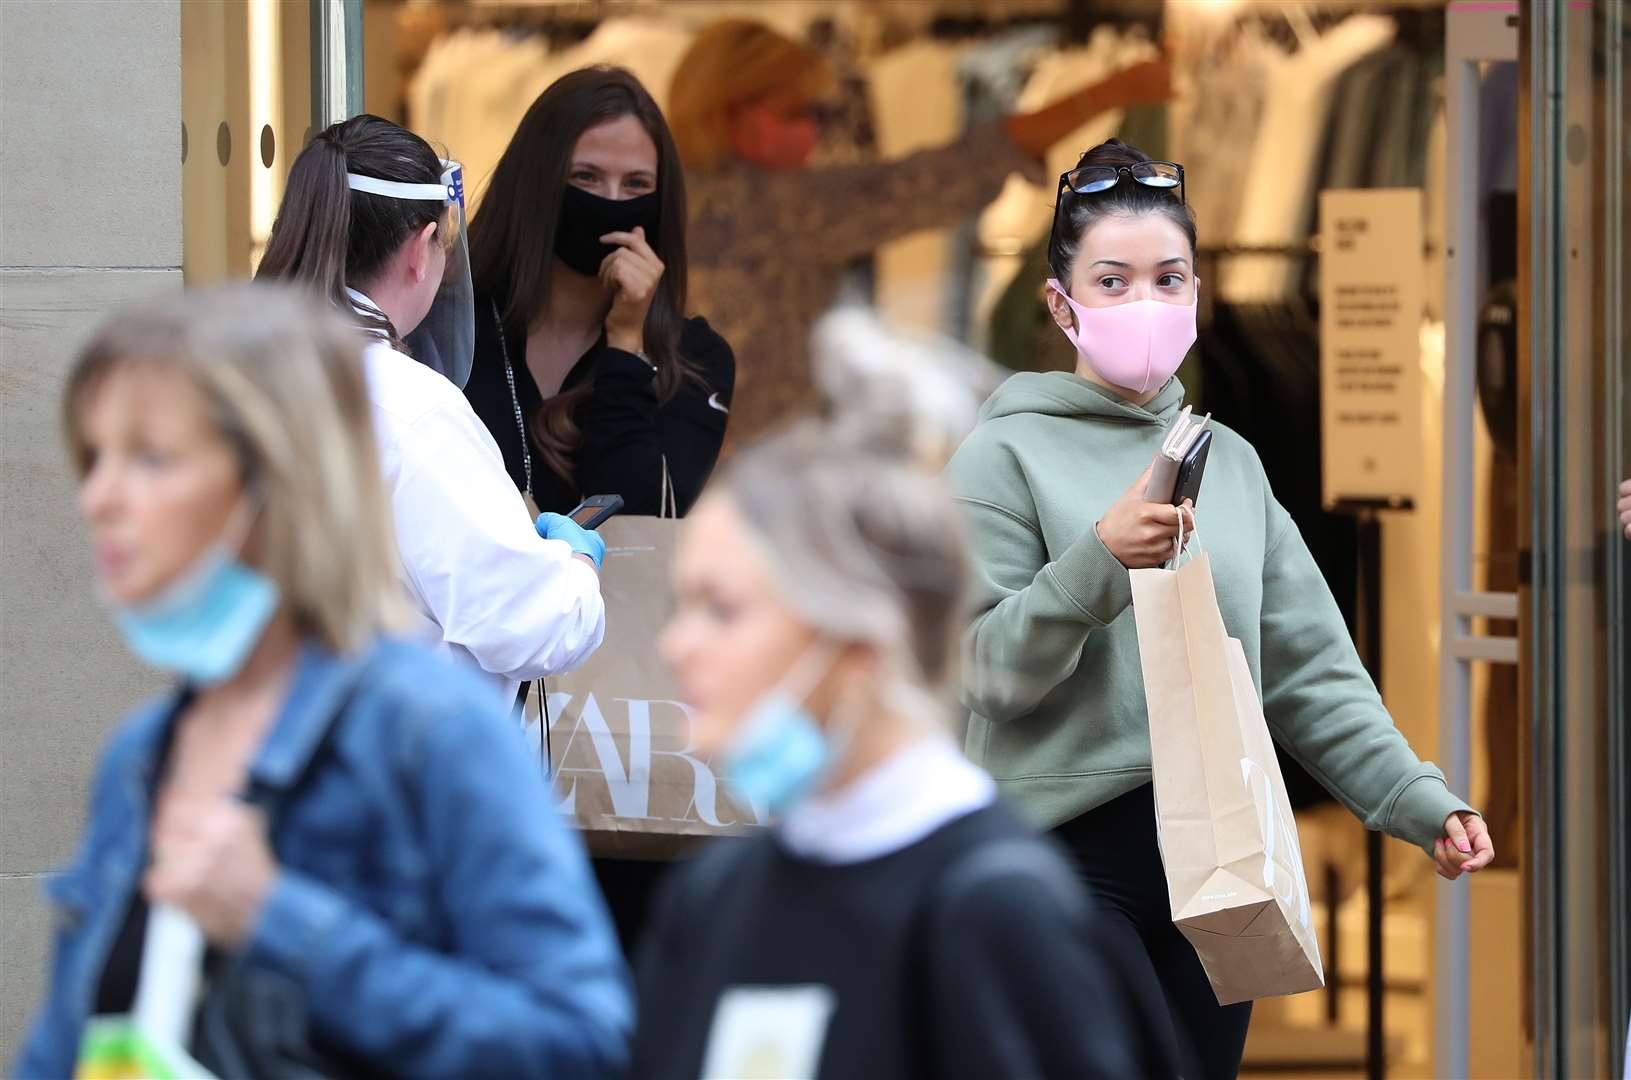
<point>1092,179</point>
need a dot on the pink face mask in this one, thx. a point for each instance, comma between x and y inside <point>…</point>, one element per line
<point>1137,345</point>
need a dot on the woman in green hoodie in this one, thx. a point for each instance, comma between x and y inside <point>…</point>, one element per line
<point>1052,482</point>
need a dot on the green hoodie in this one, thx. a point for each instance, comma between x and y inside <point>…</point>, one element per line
<point>1052,674</point>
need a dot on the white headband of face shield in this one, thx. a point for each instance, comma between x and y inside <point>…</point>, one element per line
<point>450,190</point>
<point>444,339</point>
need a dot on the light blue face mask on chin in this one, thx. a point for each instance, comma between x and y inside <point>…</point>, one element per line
<point>780,754</point>
<point>203,625</point>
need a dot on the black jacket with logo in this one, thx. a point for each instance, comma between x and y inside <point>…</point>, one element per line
<point>626,432</point>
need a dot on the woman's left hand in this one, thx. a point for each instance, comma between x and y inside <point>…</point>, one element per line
<point>211,860</point>
<point>630,274</point>
<point>1465,847</point>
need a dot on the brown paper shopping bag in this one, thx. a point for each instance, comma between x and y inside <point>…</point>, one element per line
<point>1228,839</point>
<point>625,769</point>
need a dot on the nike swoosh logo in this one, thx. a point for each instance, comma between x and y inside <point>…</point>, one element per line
<point>715,403</point>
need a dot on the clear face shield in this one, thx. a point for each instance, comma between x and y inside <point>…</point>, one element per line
<point>445,339</point>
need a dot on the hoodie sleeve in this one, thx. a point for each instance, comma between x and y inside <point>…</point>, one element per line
<point>1323,706</point>
<point>1032,615</point>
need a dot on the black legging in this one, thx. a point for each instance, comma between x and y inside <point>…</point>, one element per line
<point>1116,852</point>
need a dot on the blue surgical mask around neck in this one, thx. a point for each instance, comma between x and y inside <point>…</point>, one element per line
<point>204,624</point>
<point>779,755</point>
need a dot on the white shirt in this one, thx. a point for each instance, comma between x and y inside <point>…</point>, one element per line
<point>483,582</point>
<point>899,802</point>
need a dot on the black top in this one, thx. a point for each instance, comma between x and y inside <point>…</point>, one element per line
<point>972,952</point>
<point>626,433</point>
<point>116,990</point>
<point>121,972</point>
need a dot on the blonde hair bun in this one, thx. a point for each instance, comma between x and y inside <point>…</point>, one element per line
<point>896,392</point>
<point>859,530</point>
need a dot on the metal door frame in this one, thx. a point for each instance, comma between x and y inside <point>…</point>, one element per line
<point>1574,377</point>
<point>1473,35</point>
<point>336,67</point>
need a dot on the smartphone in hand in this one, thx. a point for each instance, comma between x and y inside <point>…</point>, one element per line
<point>596,510</point>
<point>1190,471</point>
<point>1175,473</point>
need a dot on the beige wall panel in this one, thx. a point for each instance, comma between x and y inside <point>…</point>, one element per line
<point>25,937</point>
<point>90,168</point>
<point>67,676</point>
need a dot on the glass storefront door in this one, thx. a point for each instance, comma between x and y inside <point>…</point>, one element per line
<point>1574,450</point>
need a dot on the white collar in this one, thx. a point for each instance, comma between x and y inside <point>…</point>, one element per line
<point>370,311</point>
<point>896,804</point>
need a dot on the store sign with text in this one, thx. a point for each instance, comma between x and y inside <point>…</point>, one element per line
<point>1372,281</point>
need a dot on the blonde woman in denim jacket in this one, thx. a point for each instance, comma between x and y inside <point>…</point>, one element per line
<point>344,816</point>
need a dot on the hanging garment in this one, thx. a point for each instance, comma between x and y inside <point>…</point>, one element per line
<point>1278,205</point>
<point>1008,276</point>
<point>993,74</point>
<point>1498,128</point>
<point>1218,111</point>
<point>470,94</point>
<point>917,103</point>
<point>650,47</point>
<point>1358,125</point>
<point>476,84</point>
<point>1025,210</point>
<point>1401,144</point>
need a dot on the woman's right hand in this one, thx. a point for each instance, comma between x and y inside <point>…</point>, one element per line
<point>1141,534</point>
<point>586,544</point>
<point>630,274</point>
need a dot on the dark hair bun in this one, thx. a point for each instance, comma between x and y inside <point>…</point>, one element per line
<point>1113,153</point>
<point>1127,198</point>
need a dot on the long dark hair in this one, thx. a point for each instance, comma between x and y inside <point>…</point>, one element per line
<point>1128,198</point>
<point>512,237</point>
<point>329,236</point>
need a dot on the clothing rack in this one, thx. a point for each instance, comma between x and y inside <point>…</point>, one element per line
<point>1210,255</point>
<point>566,22</point>
<point>965,27</point>
<point>1309,247</point>
<point>563,24</point>
<point>1420,23</point>
<point>1081,17</point>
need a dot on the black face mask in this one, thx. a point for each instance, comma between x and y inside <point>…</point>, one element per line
<point>586,217</point>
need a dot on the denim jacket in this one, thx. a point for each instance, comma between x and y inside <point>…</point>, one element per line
<point>439,916</point>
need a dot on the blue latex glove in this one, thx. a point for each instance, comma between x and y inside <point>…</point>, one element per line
<point>585,542</point>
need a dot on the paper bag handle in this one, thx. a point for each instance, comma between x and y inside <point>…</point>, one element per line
<point>1178,549</point>
<point>668,506</point>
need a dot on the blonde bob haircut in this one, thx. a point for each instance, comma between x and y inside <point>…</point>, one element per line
<point>282,378</point>
<point>731,63</point>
